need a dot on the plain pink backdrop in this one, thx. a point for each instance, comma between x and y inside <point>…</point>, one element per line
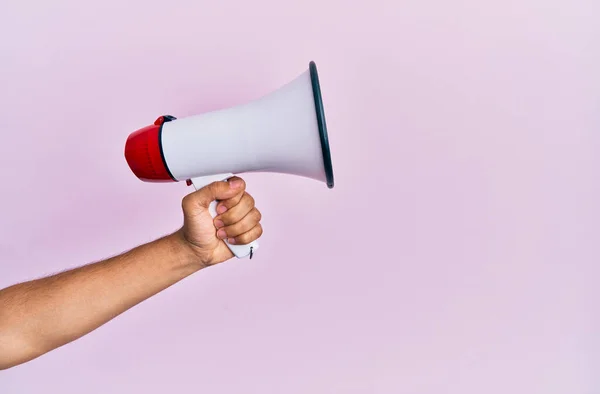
<point>458,252</point>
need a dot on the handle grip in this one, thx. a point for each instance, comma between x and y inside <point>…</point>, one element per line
<point>240,251</point>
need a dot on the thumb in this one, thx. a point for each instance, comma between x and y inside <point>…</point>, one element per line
<point>214,191</point>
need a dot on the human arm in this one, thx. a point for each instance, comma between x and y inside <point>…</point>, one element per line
<point>44,314</point>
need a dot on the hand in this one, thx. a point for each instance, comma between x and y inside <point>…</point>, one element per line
<point>237,220</point>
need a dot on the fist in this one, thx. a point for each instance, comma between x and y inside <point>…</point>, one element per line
<point>237,220</point>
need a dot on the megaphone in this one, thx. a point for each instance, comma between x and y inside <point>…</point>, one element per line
<point>283,132</point>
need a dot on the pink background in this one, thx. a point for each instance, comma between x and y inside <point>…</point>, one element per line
<point>458,252</point>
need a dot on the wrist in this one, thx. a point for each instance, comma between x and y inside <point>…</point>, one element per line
<point>188,255</point>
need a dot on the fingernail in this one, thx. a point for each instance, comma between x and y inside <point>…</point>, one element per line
<point>234,184</point>
<point>221,234</point>
<point>231,241</point>
<point>219,223</point>
<point>221,209</point>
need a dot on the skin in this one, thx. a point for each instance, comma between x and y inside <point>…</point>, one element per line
<point>41,315</point>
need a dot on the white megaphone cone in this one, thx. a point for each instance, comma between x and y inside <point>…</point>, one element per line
<point>283,132</point>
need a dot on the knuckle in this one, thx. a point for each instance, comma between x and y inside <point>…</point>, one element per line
<point>237,199</point>
<point>232,202</point>
<point>251,235</point>
<point>186,202</point>
<point>215,187</point>
<point>249,200</point>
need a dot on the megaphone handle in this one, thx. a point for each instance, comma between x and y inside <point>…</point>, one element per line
<point>240,251</point>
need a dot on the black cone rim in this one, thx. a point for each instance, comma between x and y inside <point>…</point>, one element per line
<point>314,77</point>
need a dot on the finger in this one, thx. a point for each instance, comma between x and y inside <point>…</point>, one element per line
<point>246,224</point>
<point>224,205</point>
<point>247,237</point>
<point>237,212</point>
<point>201,198</point>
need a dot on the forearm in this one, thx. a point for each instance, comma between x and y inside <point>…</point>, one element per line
<point>41,315</point>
